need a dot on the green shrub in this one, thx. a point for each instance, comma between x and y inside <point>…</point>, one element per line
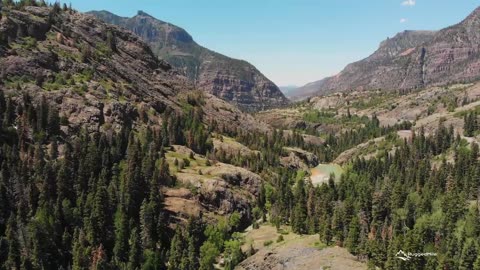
<point>85,53</point>
<point>30,43</point>
<point>267,243</point>
<point>103,50</point>
<point>280,238</point>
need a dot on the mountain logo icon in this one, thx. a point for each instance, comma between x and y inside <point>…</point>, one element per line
<point>402,255</point>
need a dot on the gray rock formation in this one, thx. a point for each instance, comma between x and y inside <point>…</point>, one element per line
<point>98,75</point>
<point>233,80</point>
<point>298,159</point>
<point>412,60</point>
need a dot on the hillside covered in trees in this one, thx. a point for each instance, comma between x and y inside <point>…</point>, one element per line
<point>111,160</point>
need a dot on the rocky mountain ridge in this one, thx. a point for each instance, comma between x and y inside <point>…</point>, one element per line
<point>84,64</point>
<point>412,60</point>
<point>235,81</point>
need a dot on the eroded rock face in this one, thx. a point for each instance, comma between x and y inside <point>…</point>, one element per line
<point>95,81</point>
<point>232,147</point>
<point>222,189</point>
<point>299,159</point>
<point>226,114</point>
<point>235,81</point>
<point>65,60</point>
<point>413,59</point>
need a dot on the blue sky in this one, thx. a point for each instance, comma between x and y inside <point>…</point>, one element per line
<point>294,42</point>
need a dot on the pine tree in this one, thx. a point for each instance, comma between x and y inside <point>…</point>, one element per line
<point>470,124</point>
<point>100,225</point>
<point>53,153</point>
<point>193,263</point>
<point>476,264</point>
<point>233,254</point>
<point>13,259</point>
<point>120,249</point>
<point>133,183</point>
<point>3,104</point>
<point>327,232</point>
<point>53,122</point>
<point>135,254</point>
<point>176,250</point>
<point>300,211</point>
<point>64,182</point>
<point>353,239</point>
<point>152,224</point>
<point>80,251</point>
<point>208,255</point>
<point>153,260</point>
<point>468,256</point>
<point>99,259</point>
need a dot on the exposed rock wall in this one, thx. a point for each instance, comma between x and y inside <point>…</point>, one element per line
<point>235,81</point>
<point>412,60</point>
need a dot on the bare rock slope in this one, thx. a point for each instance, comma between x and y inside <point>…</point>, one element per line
<point>299,252</point>
<point>412,60</point>
<point>97,75</point>
<point>233,80</point>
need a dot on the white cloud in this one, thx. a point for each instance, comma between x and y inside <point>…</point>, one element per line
<point>403,20</point>
<point>410,3</point>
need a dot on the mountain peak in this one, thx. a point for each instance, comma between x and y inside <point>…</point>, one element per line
<point>143,13</point>
<point>413,60</point>
<point>233,80</point>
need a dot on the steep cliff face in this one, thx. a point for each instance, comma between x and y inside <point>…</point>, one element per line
<point>94,72</point>
<point>230,79</point>
<point>411,60</point>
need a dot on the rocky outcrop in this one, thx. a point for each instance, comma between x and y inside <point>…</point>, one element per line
<point>299,159</point>
<point>302,257</point>
<point>99,76</point>
<point>64,58</point>
<point>226,114</point>
<point>222,189</point>
<point>232,147</point>
<point>233,80</point>
<point>412,60</point>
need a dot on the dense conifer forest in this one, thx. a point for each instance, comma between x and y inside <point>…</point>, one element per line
<point>95,201</point>
<point>98,204</point>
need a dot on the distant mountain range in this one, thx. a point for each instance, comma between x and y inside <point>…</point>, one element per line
<point>233,80</point>
<point>288,89</point>
<point>411,60</point>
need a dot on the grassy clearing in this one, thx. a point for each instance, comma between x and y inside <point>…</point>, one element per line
<point>462,114</point>
<point>372,101</point>
<point>267,236</point>
<point>179,162</point>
